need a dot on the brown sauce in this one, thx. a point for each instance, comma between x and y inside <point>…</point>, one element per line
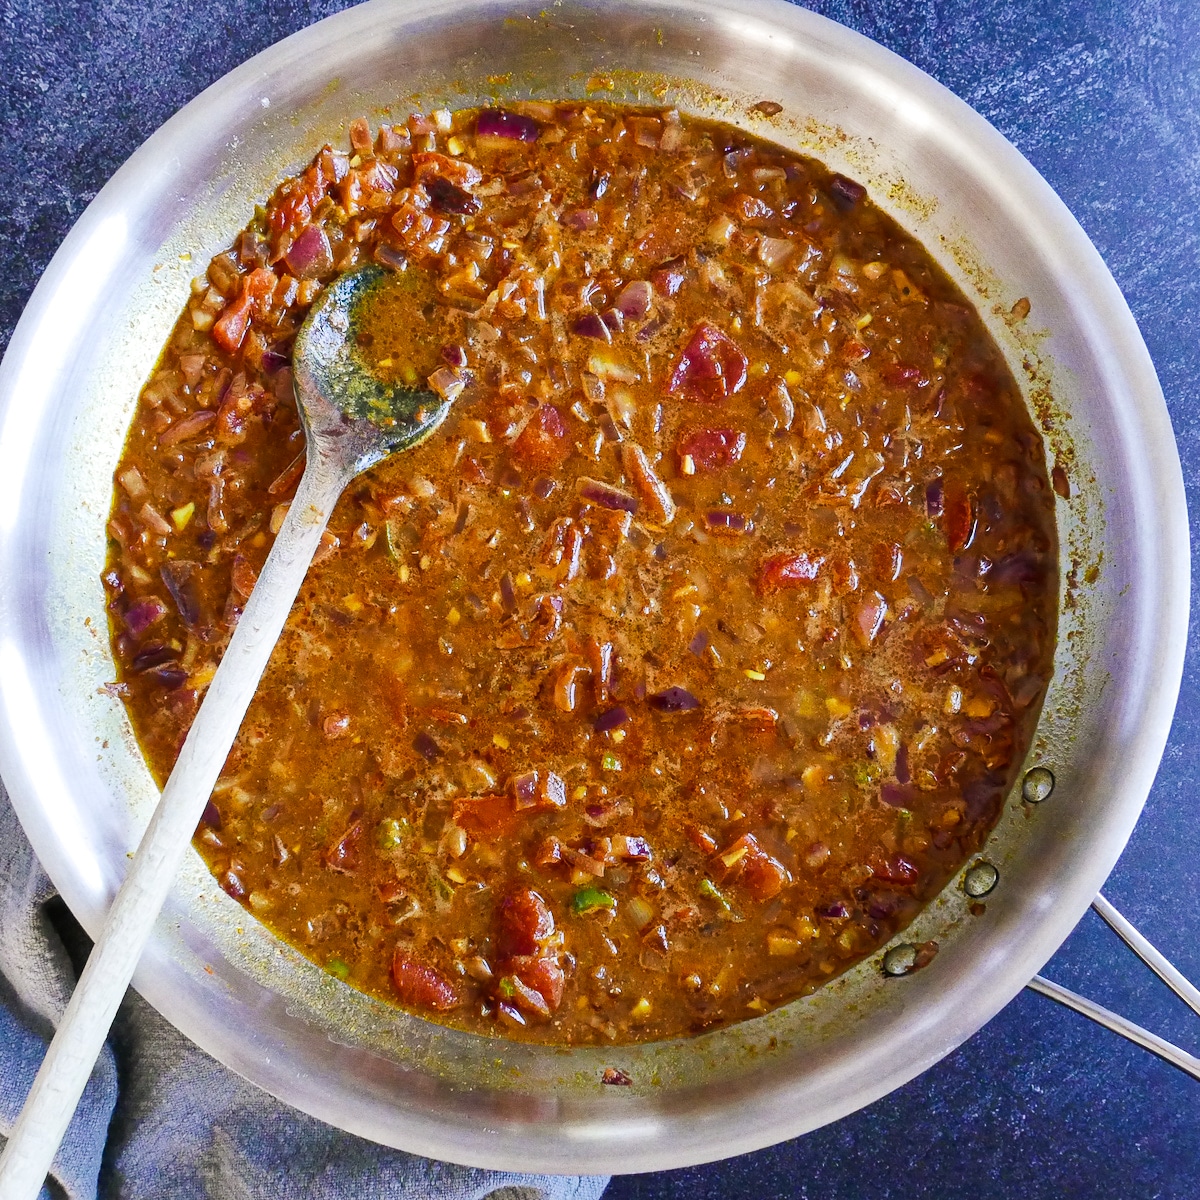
<point>685,662</point>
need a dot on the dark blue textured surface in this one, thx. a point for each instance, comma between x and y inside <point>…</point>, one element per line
<point>1104,98</point>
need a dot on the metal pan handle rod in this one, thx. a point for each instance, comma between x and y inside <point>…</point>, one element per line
<point>1160,965</point>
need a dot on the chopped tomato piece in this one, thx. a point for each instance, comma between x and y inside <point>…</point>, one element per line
<point>868,620</point>
<point>896,869</point>
<point>342,856</point>
<point>256,291</point>
<point>902,375</point>
<point>764,876</point>
<point>294,208</point>
<point>657,504</point>
<point>701,839</point>
<point>540,973</point>
<point>889,559</point>
<point>760,873</point>
<point>711,449</point>
<point>845,574</point>
<point>523,921</point>
<point>959,518</point>
<point>710,367</point>
<point>429,165</point>
<point>788,571</point>
<point>422,985</point>
<point>543,443</point>
<point>669,277</point>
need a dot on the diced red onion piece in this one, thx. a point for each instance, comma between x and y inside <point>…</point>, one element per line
<point>310,255</point>
<point>531,788</point>
<point>711,449</point>
<point>598,815</point>
<point>608,427</point>
<point>455,356</point>
<point>670,276</point>
<point>846,193</point>
<point>699,642</point>
<point>881,905</point>
<point>934,496</point>
<point>610,720</point>
<point>272,361</point>
<point>500,123</point>
<point>592,325</point>
<point>525,788</point>
<point>179,576</point>
<point>508,593</point>
<point>635,849</point>
<point>723,521</point>
<point>837,909</point>
<point>543,487</point>
<point>447,382</point>
<point>389,256</point>
<point>896,795</point>
<point>902,375</point>
<point>673,700</point>
<point>634,299</point>
<point>774,252</point>
<point>869,618</point>
<point>187,427</point>
<point>1020,567</point>
<point>555,790</point>
<point>151,656</point>
<point>605,495</point>
<point>919,592</point>
<point>141,616</point>
<point>614,319</point>
<point>171,676</point>
<point>581,219</point>
<point>898,869</point>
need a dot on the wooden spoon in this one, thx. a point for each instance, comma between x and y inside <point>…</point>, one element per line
<point>352,420</point>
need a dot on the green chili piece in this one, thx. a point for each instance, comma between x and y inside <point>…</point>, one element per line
<point>710,889</point>
<point>336,966</point>
<point>590,899</point>
<point>391,833</point>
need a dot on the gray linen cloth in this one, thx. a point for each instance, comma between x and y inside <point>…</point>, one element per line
<point>159,1118</point>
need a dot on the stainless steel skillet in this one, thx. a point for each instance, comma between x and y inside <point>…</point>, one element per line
<point>88,340</point>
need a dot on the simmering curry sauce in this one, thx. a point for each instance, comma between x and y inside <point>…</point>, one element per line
<point>693,653</point>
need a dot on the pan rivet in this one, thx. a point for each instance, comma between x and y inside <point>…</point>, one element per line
<point>980,879</point>
<point>1038,785</point>
<point>900,960</point>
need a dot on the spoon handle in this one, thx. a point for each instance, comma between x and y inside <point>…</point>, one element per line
<point>72,1054</point>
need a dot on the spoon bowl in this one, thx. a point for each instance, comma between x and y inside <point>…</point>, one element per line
<point>342,399</point>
